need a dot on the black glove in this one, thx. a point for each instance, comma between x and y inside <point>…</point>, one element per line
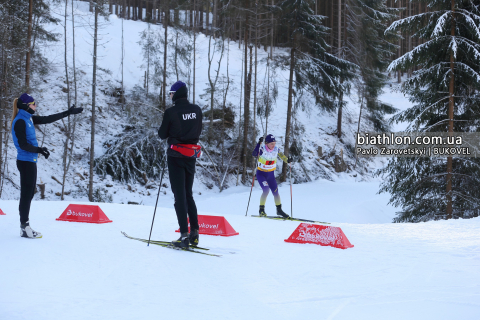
<point>260,140</point>
<point>289,160</point>
<point>44,152</point>
<point>74,110</point>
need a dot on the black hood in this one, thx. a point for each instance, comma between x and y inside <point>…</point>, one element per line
<point>180,93</point>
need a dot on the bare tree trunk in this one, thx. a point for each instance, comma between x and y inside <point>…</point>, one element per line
<point>240,113</point>
<point>451,104</point>
<point>29,46</point>
<point>207,17</point>
<point>246,99</point>
<point>123,58</point>
<point>201,14</point>
<point>68,129</point>
<point>75,87</point>
<point>140,10</point>
<point>399,76</point>
<point>147,76</point>
<point>223,113</point>
<point>268,97</point>
<point>286,147</point>
<point>255,78</point>
<point>94,87</point>
<point>340,100</point>
<point>194,64</point>
<point>176,56</point>
<point>214,18</point>
<point>213,83</point>
<point>165,25</point>
<point>3,92</point>
<point>273,28</point>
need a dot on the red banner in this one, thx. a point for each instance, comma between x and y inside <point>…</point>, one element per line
<point>84,213</point>
<point>322,235</point>
<point>2,213</point>
<point>214,226</point>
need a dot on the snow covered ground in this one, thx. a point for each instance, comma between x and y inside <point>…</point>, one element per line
<point>87,271</point>
<point>395,271</point>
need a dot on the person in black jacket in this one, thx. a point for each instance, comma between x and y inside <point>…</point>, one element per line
<point>182,125</point>
<point>24,139</point>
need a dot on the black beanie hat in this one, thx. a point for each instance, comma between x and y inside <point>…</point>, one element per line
<point>23,102</point>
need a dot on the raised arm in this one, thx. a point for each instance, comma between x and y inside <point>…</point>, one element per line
<point>257,147</point>
<point>57,116</point>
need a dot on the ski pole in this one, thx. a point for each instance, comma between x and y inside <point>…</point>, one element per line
<point>291,196</point>
<point>253,178</point>
<point>253,182</point>
<point>158,195</point>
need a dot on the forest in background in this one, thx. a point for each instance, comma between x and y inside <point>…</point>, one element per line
<point>331,49</point>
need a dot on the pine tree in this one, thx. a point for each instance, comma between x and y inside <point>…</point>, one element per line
<point>444,91</point>
<point>371,49</point>
<point>314,69</point>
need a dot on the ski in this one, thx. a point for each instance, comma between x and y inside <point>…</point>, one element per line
<point>169,245</point>
<point>160,242</point>
<point>290,219</point>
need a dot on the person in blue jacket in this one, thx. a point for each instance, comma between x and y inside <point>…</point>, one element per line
<point>25,140</point>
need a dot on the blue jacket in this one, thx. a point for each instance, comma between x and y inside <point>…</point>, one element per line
<point>31,137</point>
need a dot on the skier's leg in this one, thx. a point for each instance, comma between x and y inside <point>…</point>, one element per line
<point>192,208</point>
<point>176,173</point>
<point>278,203</point>
<point>262,181</point>
<point>28,178</point>
<point>274,187</point>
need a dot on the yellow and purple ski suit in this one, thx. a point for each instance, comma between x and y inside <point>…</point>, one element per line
<point>267,162</point>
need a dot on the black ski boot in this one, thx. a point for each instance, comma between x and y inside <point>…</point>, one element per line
<point>281,213</point>
<point>261,212</point>
<point>182,242</point>
<point>193,237</point>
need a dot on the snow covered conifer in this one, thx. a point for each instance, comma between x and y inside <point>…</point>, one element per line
<point>444,92</point>
<point>314,69</point>
<point>369,47</point>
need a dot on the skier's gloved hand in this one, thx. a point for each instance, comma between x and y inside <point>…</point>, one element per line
<point>44,152</point>
<point>74,110</point>
<point>260,140</point>
<point>290,160</point>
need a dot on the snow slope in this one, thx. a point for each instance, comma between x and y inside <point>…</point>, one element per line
<point>110,120</point>
<point>395,271</point>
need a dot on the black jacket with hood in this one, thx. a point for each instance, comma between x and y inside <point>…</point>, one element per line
<point>182,123</point>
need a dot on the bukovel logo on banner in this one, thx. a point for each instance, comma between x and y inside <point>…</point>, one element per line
<point>79,214</point>
<point>209,226</point>
<point>206,226</point>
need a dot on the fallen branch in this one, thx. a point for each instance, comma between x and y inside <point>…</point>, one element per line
<point>57,180</point>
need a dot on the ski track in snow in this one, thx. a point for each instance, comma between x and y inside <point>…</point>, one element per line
<point>89,271</point>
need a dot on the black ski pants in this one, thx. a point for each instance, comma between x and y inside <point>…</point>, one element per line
<point>181,172</point>
<point>28,182</point>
